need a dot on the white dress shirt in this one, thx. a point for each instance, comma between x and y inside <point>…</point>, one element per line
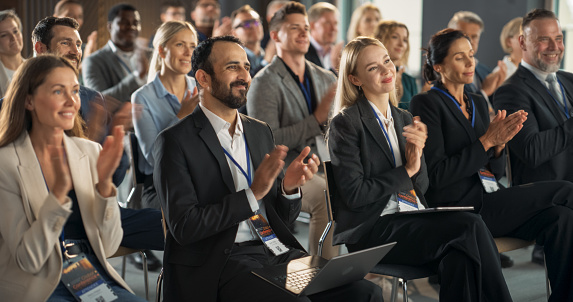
<point>129,65</point>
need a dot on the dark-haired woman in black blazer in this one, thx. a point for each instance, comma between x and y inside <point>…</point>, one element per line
<point>465,156</point>
<point>376,155</point>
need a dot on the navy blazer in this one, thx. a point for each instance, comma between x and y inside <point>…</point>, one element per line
<point>202,207</point>
<point>364,169</point>
<point>543,149</point>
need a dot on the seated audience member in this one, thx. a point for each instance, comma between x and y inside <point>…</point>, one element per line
<point>542,150</point>
<point>376,151</point>
<point>395,36</point>
<point>120,67</point>
<point>509,39</point>
<point>363,21</point>
<point>294,97</point>
<point>248,28</point>
<point>167,98</point>
<point>267,43</point>
<point>172,10</point>
<point>74,9</point>
<point>205,15</point>
<point>10,47</point>
<point>465,155</point>
<point>323,19</point>
<point>215,171</point>
<point>58,199</point>
<point>142,229</point>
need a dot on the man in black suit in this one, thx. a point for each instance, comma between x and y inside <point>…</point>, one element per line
<point>323,19</point>
<point>543,149</point>
<point>215,170</point>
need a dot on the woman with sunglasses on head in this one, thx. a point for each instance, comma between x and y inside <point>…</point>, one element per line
<point>59,206</point>
<point>466,158</point>
<point>380,174</point>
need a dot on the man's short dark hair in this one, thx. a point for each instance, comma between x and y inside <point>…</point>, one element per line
<point>201,55</point>
<point>43,30</point>
<point>280,16</point>
<point>167,4</point>
<point>194,4</point>
<point>538,13</point>
<point>116,9</point>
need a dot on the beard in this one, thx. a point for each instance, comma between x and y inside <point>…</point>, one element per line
<point>549,67</point>
<point>226,96</point>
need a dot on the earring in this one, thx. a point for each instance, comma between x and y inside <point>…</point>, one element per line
<point>360,88</point>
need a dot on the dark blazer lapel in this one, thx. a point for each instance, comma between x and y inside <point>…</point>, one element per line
<point>255,150</point>
<point>371,123</point>
<point>458,115</point>
<point>399,127</point>
<point>530,80</point>
<point>208,135</point>
<point>567,88</point>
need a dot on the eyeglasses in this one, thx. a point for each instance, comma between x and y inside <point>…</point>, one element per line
<point>249,24</point>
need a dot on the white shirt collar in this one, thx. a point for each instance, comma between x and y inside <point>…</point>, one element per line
<point>388,117</point>
<point>319,49</point>
<point>118,51</point>
<point>538,73</point>
<point>220,124</point>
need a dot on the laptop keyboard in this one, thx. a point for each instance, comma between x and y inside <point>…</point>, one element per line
<point>299,279</point>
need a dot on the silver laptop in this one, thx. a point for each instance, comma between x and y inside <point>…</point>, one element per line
<point>314,274</point>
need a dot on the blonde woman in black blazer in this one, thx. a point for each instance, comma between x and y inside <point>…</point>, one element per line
<point>461,141</point>
<point>457,245</point>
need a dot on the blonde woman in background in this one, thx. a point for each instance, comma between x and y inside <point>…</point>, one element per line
<point>363,21</point>
<point>509,39</point>
<point>168,96</point>
<point>10,47</point>
<point>395,36</point>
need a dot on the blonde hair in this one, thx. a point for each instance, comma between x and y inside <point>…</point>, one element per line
<point>384,31</point>
<point>357,15</point>
<point>347,93</point>
<point>510,30</point>
<point>14,117</point>
<point>164,33</point>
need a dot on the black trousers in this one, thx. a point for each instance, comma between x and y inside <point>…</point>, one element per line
<point>457,245</point>
<point>541,211</point>
<point>142,229</point>
<point>237,283</point>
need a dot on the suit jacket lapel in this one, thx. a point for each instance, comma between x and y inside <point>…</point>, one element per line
<point>31,176</point>
<point>458,115</point>
<point>208,135</point>
<point>291,86</point>
<point>371,123</point>
<point>256,152</point>
<point>399,127</point>
<point>535,85</point>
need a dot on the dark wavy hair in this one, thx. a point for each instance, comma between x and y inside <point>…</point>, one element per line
<point>202,53</point>
<point>437,51</point>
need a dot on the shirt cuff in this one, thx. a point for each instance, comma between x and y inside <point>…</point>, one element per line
<point>291,196</point>
<point>252,200</point>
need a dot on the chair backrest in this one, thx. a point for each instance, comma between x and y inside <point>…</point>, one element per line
<point>138,177</point>
<point>508,167</point>
<point>328,197</point>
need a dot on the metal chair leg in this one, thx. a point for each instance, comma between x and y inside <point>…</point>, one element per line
<point>159,286</point>
<point>123,267</point>
<point>144,260</point>
<point>394,294</point>
<point>547,285</point>
<point>405,289</point>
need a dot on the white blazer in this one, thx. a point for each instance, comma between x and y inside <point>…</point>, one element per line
<point>31,219</point>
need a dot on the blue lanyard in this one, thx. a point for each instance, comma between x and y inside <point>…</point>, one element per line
<point>458,105</point>
<point>565,109</point>
<point>247,174</point>
<point>306,92</point>
<point>385,134</point>
<point>123,63</point>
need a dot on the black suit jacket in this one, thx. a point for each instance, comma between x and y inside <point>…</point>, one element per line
<point>453,151</point>
<point>202,208</point>
<point>363,169</point>
<point>543,149</point>
<point>312,56</point>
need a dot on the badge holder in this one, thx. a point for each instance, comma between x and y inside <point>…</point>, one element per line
<point>82,279</point>
<point>407,201</point>
<point>267,235</point>
<point>488,180</point>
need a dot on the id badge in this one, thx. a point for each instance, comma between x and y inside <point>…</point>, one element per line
<point>407,201</point>
<point>488,180</point>
<point>84,281</point>
<point>267,235</point>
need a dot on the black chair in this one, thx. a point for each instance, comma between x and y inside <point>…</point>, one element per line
<point>403,272</point>
<point>137,178</point>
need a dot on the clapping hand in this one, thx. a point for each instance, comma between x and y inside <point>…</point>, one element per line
<point>298,173</point>
<point>416,135</point>
<point>502,129</point>
<point>63,180</point>
<point>108,160</point>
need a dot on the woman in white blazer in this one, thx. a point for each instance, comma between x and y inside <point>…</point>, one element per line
<point>53,184</point>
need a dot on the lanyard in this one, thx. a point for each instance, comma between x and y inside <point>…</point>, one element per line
<point>247,174</point>
<point>123,63</point>
<point>565,109</point>
<point>385,134</point>
<point>306,92</point>
<point>458,105</point>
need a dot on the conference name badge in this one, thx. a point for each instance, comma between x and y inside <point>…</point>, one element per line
<point>407,201</point>
<point>84,281</point>
<point>267,235</point>
<point>488,180</point>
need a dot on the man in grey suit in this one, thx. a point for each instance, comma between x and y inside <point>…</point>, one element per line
<point>120,67</point>
<point>294,97</point>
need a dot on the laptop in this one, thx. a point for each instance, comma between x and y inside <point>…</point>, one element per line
<point>314,274</point>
